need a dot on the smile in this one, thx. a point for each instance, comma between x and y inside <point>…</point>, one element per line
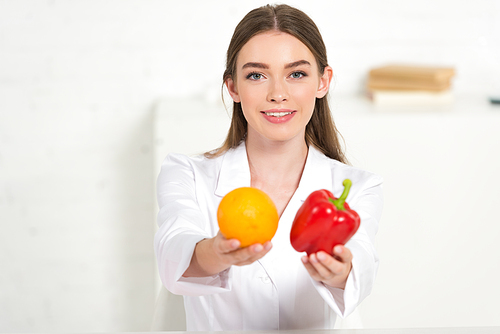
<point>277,113</point>
<point>278,116</point>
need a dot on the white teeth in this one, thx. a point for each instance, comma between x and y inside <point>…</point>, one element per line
<point>278,114</point>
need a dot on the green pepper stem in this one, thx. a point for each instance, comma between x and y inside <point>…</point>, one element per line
<point>339,203</point>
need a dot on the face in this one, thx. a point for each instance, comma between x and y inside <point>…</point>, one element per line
<point>277,83</point>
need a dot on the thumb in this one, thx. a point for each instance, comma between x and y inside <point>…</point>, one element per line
<point>224,245</point>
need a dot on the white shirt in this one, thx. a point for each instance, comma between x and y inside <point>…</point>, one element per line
<point>275,292</point>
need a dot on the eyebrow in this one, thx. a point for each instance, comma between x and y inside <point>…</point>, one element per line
<point>265,66</point>
<point>297,63</point>
<point>256,65</point>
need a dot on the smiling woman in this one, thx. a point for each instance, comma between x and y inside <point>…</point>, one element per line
<point>283,141</point>
<point>320,131</point>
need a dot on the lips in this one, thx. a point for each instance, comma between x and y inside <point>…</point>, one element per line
<point>278,115</point>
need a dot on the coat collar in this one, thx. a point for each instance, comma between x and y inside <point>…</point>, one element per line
<point>317,174</point>
<point>235,172</point>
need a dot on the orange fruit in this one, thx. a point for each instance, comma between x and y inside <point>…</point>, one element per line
<point>249,215</point>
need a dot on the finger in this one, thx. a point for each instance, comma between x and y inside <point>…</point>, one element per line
<point>326,266</point>
<point>261,250</point>
<point>223,245</point>
<point>311,269</point>
<point>331,265</point>
<point>342,253</point>
<point>254,253</point>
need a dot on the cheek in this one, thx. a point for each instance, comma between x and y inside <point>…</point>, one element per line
<point>304,94</point>
<point>248,102</point>
<point>251,95</point>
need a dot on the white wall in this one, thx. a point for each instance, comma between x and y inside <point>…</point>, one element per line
<point>78,82</point>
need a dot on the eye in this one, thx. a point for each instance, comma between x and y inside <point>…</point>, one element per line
<point>254,76</point>
<point>298,75</point>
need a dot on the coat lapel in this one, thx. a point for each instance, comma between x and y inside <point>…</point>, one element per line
<point>317,174</point>
<point>234,172</point>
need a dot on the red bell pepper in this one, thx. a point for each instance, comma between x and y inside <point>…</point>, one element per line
<point>324,221</point>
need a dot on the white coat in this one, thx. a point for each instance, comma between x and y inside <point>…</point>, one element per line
<point>275,292</point>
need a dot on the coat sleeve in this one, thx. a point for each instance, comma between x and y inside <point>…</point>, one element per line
<point>181,226</point>
<point>367,202</point>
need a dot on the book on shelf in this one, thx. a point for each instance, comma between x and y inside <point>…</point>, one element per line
<point>410,85</point>
<point>406,85</point>
<point>415,73</point>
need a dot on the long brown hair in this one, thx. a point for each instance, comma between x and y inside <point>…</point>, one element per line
<point>320,131</point>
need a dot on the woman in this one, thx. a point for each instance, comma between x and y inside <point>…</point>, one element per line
<point>283,141</point>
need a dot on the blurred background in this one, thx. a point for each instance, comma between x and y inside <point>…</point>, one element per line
<point>84,83</point>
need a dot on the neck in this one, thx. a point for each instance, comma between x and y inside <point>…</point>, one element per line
<point>276,163</point>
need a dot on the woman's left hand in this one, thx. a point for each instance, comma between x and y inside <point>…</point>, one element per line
<point>331,270</point>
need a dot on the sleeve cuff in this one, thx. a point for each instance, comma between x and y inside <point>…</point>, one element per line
<point>342,302</point>
<point>175,259</point>
<point>211,283</point>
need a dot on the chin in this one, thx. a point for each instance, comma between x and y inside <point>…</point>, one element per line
<point>284,138</point>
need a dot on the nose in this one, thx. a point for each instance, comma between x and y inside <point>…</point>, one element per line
<point>277,92</point>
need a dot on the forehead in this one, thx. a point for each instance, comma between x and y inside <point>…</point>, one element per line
<point>274,48</point>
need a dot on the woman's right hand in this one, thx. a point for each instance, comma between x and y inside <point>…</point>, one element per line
<point>211,256</point>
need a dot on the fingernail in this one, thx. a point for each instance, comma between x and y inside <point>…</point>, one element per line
<point>235,244</point>
<point>268,246</point>
<point>305,259</point>
<point>321,256</point>
<point>313,258</point>
<point>338,249</point>
<point>258,248</point>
